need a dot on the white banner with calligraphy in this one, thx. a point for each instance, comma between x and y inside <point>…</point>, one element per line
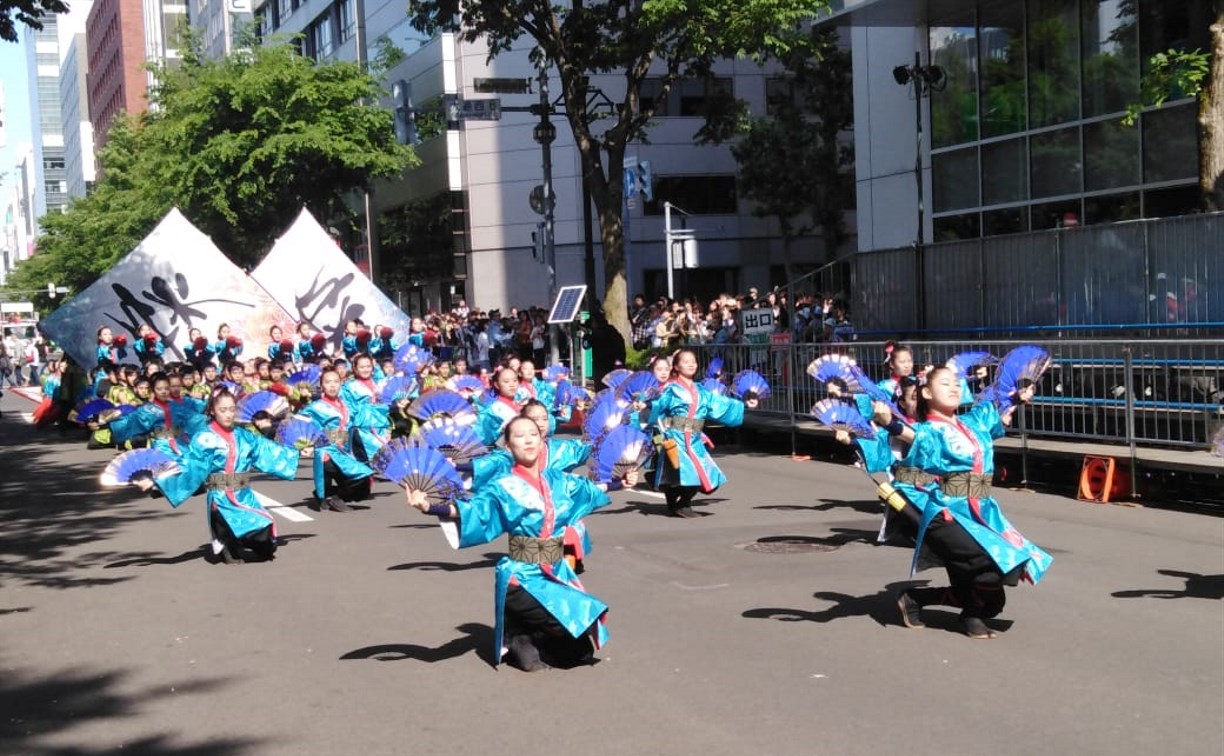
<point>313,279</point>
<point>175,280</point>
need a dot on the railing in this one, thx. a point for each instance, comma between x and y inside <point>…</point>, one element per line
<point>1158,393</point>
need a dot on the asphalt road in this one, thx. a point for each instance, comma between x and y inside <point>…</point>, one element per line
<point>368,635</point>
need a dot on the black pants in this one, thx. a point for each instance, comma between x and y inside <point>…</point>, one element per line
<point>260,542</point>
<point>349,489</point>
<point>527,617</point>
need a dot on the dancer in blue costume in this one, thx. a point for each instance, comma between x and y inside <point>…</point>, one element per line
<point>946,474</point>
<point>149,345</point>
<point>679,413</point>
<point>111,349</point>
<point>227,347</point>
<point>900,364</point>
<point>198,350</point>
<point>162,421</point>
<point>542,611</point>
<point>504,407</point>
<point>371,420</point>
<point>221,458</point>
<point>338,475</point>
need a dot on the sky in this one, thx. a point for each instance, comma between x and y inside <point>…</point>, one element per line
<point>16,107</point>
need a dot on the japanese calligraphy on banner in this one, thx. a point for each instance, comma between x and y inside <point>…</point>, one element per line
<point>313,279</point>
<point>175,280</point>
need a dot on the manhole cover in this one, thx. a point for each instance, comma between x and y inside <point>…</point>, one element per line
<point>792,545</point>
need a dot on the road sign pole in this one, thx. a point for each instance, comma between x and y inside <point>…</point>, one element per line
<point>545,134</point>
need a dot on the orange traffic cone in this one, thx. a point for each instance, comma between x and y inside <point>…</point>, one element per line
<point>1101,480</point>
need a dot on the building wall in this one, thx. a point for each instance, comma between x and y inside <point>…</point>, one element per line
<point>216,25</point>
<point>43,58</point>
<point>117,81</point>
<point>78,132</point>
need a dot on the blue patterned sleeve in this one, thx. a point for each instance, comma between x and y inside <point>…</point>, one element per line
<point>723,409</point>
<point>195,466</point>
<point>482,518</point>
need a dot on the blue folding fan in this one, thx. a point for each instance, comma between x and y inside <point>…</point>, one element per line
<point>397,387</point>
<point>614,378</point>
<point>442,402</point>
<point>829,367</point>
<point>581,398</point>
<point>556,373</point>
<point>300,433</point>
<point>90,409</point>
<point>749,384</point>
<point>563,395</point>
<point>963,362</point>
<point>133,465</point>
<point>608,412</point>
<point>419,468</point>
<point>1019,369</point>
<point>308,374</point>
<point>840,415</point>
<point>458,442</point>
<point>466,385</point>
<point>262,401</point>
<point>714,386</point>
<point>715,368</point>
<point>642,386</point>
<point>410,358</point>
<point>621,451</point>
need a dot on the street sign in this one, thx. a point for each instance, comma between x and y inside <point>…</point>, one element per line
<point>501,86</point>
<point>536,199</point>
<point>487,109</point>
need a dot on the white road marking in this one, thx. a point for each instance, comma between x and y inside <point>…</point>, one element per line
<point>652,494</point>
<point>274,506</point>
<point>28,417</point>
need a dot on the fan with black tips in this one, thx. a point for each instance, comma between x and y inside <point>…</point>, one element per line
<point>614,378</point>
<point>458,442</point>
<point>137,464</point>
<point>622,450</point>
<point>749,384</point>
<point>442,402</point>
<point>397,387</point>
<point>1019,369</point>
<point>840,415</point>
<point>419,468</point>
<point>262,401</point>
<point>642,386</point>
<point>300,433</point>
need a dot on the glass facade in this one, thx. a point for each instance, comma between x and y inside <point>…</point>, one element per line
<point>1027,132</point>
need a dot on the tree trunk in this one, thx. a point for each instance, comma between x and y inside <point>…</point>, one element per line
<point>1211,123</point>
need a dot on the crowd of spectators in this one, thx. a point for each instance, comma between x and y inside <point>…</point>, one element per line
<point>21,359</point>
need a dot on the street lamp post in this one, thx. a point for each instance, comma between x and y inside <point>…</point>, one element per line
<point>925,79</point>
<point>545,133</point>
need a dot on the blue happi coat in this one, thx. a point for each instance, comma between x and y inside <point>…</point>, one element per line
<point>371,420</point>
<point>112,353</point>
<point>492,418</point>
<point>215,450</point>
<point>966,444</point>
<point>515,505</point>
<point>682,398</point>
<point>337,419</point>
<point>174,422</point>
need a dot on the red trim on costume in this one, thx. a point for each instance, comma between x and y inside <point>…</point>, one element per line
<point>694,401</point>
<point>340,407</point>
<point>979,463</point>
<point>231,464</point>
<point>537,482</point>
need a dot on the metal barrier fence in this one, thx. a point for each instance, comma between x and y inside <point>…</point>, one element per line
<point>1161,393</point>
<point>1159,271</point>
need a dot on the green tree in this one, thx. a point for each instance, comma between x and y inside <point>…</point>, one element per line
<point>240,145</point>
<point>28,12</point>
<point>790,164</point>
<point>663,39</point>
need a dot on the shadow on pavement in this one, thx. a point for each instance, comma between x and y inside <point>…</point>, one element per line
<point>51,705</point>
<point>476,637</point>
<point>1197,586</point>
<point>656,508</point>
<point>870,506</point>
<point>880,606</point>
<point>489,560</point>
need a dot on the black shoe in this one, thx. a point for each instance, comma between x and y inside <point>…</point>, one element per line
<point>976,628</point>
<point>684,512</point>
<point>911,610</point>
<point>228,556</point>
<point>524,655</point>
<point>335,504</point>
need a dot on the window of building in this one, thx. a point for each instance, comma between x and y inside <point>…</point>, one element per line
<point>697,195</point>
<point>781,96</point>
<point>649,96</point>
<point>1061,214</point>
<point>285,9</point>
<point>954,227</point>
<point>1001,41</point>
<point>1111,155</point>
<point>1004,172</point>
<point>1011,220</point>
<point>54,163</point>
<point>1109,40</point>
<point>696,95</point>
<point>1056,164</point>
<point>347,23</point>
<point>1111,208</point>
<point>954,109</point>
<point>1170,143</point>
<point>954,176</point>
<point>1053,62</point>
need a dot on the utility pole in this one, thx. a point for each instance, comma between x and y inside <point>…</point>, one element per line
<point>545,133</point>
<point>363,62</point>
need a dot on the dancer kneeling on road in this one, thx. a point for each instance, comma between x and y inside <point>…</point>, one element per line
<point>543,612</point>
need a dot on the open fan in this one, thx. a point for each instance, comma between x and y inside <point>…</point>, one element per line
<point>614,378</point>
<point>581,398</point>
<point>397,387</point>
<point>89,410</point>
<point>621,451</point>
<point>458,442</point>
<point>262,401</point>
<point>231,387</point>
<point>829,367</point>
<point>109,415</point>
<point>715,386</point>
<point>419,468</point>
<point>563,396</point>
<point>410,358</point>
<point>840,415</point>
<point>308,374</point>
<point>442,402</point>
<point>556,373</point>
<point>1020,368</point>
<point>133,465</point>
<point>608,412</point>
<point>965,361</point>
<point>749,384</point>
<point>715,368</point>
<point>466,386</point>
<point>300,433</point>
<point>642,386</point>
